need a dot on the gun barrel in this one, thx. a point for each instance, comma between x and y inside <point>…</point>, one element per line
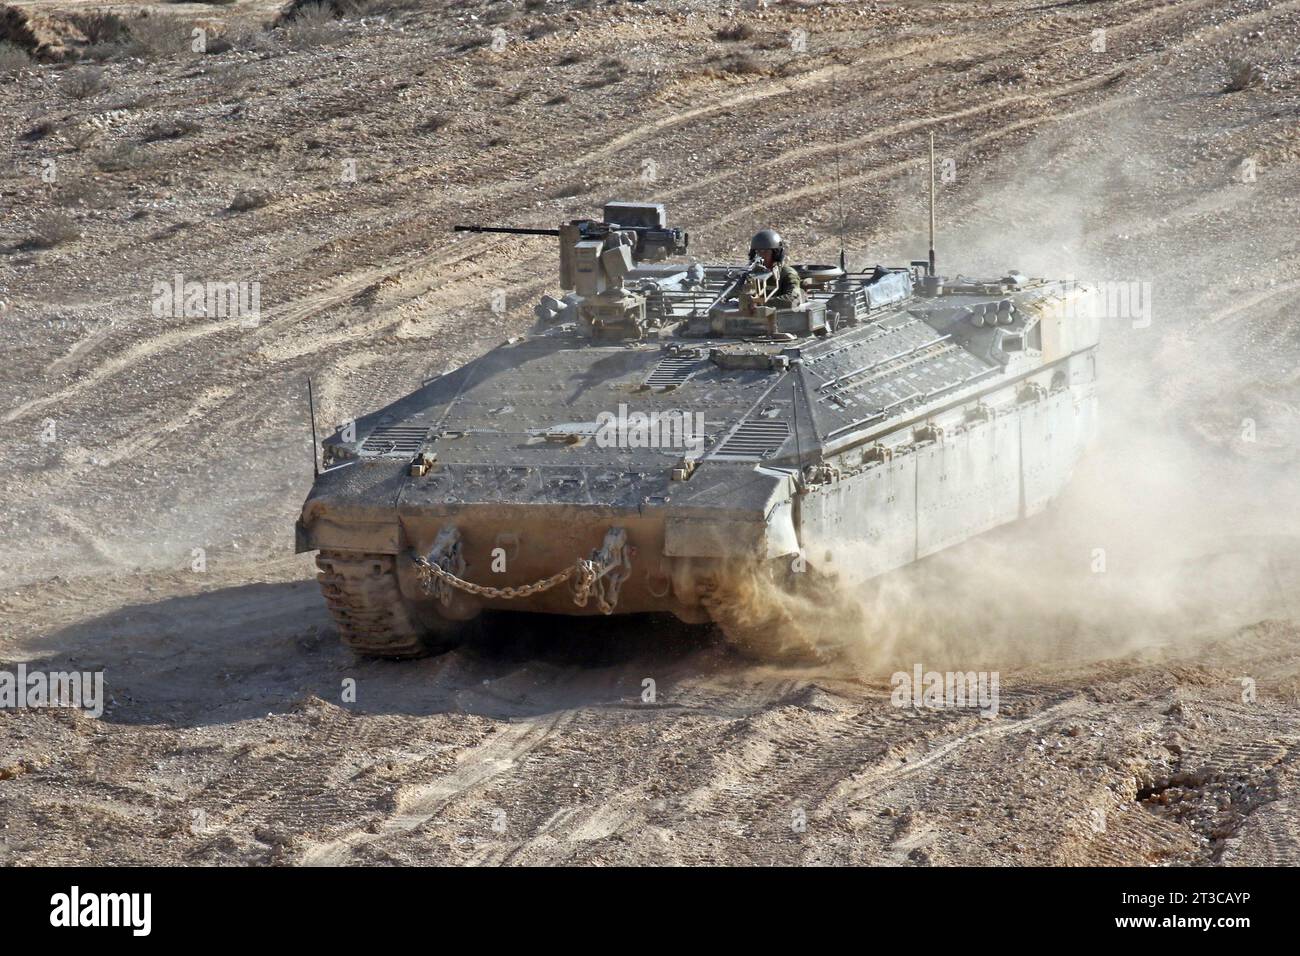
<point>509,230</point>
<point>735,282</point>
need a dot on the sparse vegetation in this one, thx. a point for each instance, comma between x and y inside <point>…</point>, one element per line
<point>346,8</point>
<point>13,58</point>
<point>1004,75</point>
<point>102,28</point>
<point>376,8</point>
<point>40,131</point>
<point>81,136</point>
<point>543,29</point>
<point>174,129</point>
<point>568,190</point>
<point>161,35</point>
<point>121,157</point>
<point>501,13</point>
<point>56,229</point>
<point>734,32</point>
<point>312,25</point>
<point>741,64</point>
<point>83,191</point>
<point>83,83</point>
<point>229,78</point>
<point>249,199</point>
<point>1243,75</point>
<point>607,79</point>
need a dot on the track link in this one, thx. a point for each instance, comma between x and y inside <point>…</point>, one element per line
<point>361,592</point>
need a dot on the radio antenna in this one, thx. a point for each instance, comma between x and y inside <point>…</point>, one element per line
<point>794,408</point>
<point>839,195</point>
<point>931,202</point>
<point>311,406</point>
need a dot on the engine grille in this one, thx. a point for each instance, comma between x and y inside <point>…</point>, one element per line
<point>671,372</point>
<point>753,440</point>
<point>394,441</point>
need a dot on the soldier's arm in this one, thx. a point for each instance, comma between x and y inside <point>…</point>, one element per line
<point>789,281</point>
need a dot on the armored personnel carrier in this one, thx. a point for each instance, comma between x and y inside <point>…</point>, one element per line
<point>670,429</point>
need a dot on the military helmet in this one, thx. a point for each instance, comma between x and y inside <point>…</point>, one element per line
<point>767,239</point>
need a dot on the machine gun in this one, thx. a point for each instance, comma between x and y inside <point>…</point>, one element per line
<point>598,258</point>
<point>647,222</point>
<point>753,287</point>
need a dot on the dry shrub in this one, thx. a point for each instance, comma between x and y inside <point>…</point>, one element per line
<point>161,36</point>
<point>376,8</point>
<point>79,137</point>
<point>1003,75</point>
<point>1243,75</point>
<point>13,58</point>
<point>40,131</point>
<point>543,29</point>
<point>83,83</point>
<point>122,157</point>
<point>172,129</point>
<point>312,25</point>
<point>56,229</point>
<point>101,28</point>
<point>741,65</point>
<point>569,190</point>
<point>608,79</point>
<point>229,78</point>
<point>734,32</point>
<point>249,199</point>
<point>84,191</point>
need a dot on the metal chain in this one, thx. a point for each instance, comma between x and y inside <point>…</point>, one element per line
<point>589,575</point>
<point>430,571</point>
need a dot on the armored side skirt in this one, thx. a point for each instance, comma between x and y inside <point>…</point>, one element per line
<point>940,493</point>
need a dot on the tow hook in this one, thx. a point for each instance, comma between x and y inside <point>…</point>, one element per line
<point>609,566</point>
<point>446,554</point>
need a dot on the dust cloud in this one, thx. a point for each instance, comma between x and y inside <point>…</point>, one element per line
<point>1179,524</point>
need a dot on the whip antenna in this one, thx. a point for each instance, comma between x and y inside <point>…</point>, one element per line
<point>311,406</point>
<point>932,202</point>
<point>839,195</point>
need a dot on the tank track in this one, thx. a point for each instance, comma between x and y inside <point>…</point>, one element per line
<point>363,598</point>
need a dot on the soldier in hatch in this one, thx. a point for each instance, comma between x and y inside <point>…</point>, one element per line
<point>768,246</point>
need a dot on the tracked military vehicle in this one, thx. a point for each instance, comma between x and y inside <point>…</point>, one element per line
<point>666,430</point>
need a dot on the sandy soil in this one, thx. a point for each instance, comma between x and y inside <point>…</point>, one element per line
<point>1124,734</point>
